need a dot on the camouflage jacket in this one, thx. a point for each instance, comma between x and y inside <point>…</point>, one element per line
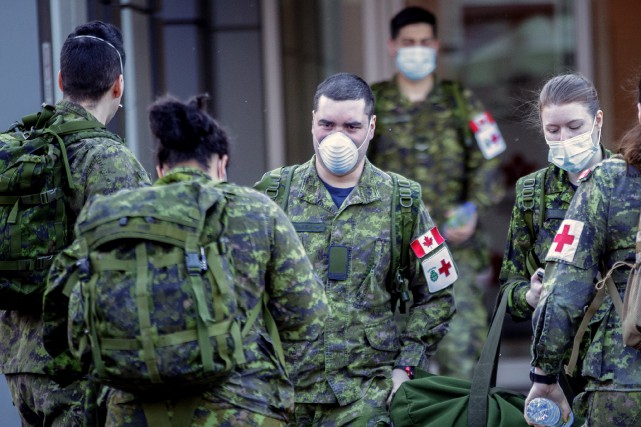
<point>268,258</point>
<point>361,339</point>
<point>553,184</point>
<point>600,228</point>
<point>100,165</point>
<point>430,143</point>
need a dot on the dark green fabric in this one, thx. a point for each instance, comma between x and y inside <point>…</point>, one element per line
<point>432,400</point>
<point>34,216</point>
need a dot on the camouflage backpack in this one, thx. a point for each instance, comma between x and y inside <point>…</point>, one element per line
<point>35,222</point>
<point>405,201</point>
<point>155,289</point>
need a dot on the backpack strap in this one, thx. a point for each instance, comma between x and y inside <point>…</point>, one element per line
<point>527,188</point>
<point>276,184</point>
<point>68,128</point>
<point>405,195</point>
<point>600,286</point>
<point>270,324</point>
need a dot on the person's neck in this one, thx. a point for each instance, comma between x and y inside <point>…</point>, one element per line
<point>101,109</point>
<point>415,90</point>
<point>346,181</point>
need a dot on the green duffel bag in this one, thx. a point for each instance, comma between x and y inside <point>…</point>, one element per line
<point>439,401</point>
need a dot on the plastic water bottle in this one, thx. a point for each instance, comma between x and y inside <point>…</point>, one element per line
<point>462,215</point>
<point>544,412</point>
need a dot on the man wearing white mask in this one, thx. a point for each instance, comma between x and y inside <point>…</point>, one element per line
<point>342,208</point>
<point>439,134</point>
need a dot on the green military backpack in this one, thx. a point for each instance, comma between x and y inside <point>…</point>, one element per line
<point>155,287</point>
<point>35,222</point>
<point>405,202</point>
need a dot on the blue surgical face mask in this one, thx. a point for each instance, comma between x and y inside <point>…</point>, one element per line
<point>339,154</point>
<point>416,62</point>
<point>574,154</point>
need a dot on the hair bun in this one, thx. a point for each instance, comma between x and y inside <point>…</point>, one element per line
<point>174,124</point>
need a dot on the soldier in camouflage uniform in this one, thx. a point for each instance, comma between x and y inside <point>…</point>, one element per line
<point>91,79</point>
<point>340,205</point>
<point>543,197</point>
<point>600,229</point>
<point>547,193</point>
<point>268,259</point>
<point>423,132</point>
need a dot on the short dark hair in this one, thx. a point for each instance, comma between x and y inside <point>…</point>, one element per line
<point>346,87</point>
<point>91,59</point>
<point>411,15</point>
<point>185,131</point>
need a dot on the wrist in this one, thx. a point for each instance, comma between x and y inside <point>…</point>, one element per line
<point>537,376</point>
<point>409,370</point>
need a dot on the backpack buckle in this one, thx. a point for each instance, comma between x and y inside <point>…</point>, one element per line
<point>44,262</point>
<point>84,269</point>
<point>272,191</point>
<point>528,193</point>
<point>192,261</point>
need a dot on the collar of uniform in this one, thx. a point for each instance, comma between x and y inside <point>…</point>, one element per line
<point>181,174</point>
<point>66,106</point>
<point>365,191</point>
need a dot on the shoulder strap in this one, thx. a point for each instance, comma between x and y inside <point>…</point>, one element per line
<point>601,286</point>
<point>404,196</point>
<point>527,189</point>
<point>484,376</point>
<point>276,184</point>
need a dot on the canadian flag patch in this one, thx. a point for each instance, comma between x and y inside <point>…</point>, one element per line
<point>426,243</point>
<point>566,240</point>
<point>439,270</point>
<point>487,134</point>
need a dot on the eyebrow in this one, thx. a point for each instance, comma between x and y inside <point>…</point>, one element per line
<point>353,123</point>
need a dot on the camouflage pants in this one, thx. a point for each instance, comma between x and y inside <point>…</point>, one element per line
<point>609,408</point>
<point>42,402</point>
<point>459,351</point>
<point>125,411</point>
<point>369,411</point>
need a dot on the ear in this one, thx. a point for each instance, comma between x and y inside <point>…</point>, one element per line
<point>372,129</point>
<point>599,118</point>
<point>391,48</point>
<point>222,167</point>
<point>118,87</point>
<point>159,171</point>
<point>60,81</point>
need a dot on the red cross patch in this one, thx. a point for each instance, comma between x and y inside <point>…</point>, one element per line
<point>439,270</point>
<point>566,241</point>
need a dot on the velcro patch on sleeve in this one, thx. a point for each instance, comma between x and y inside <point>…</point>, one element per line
<point>566,241</point>
<point>439,270</point>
